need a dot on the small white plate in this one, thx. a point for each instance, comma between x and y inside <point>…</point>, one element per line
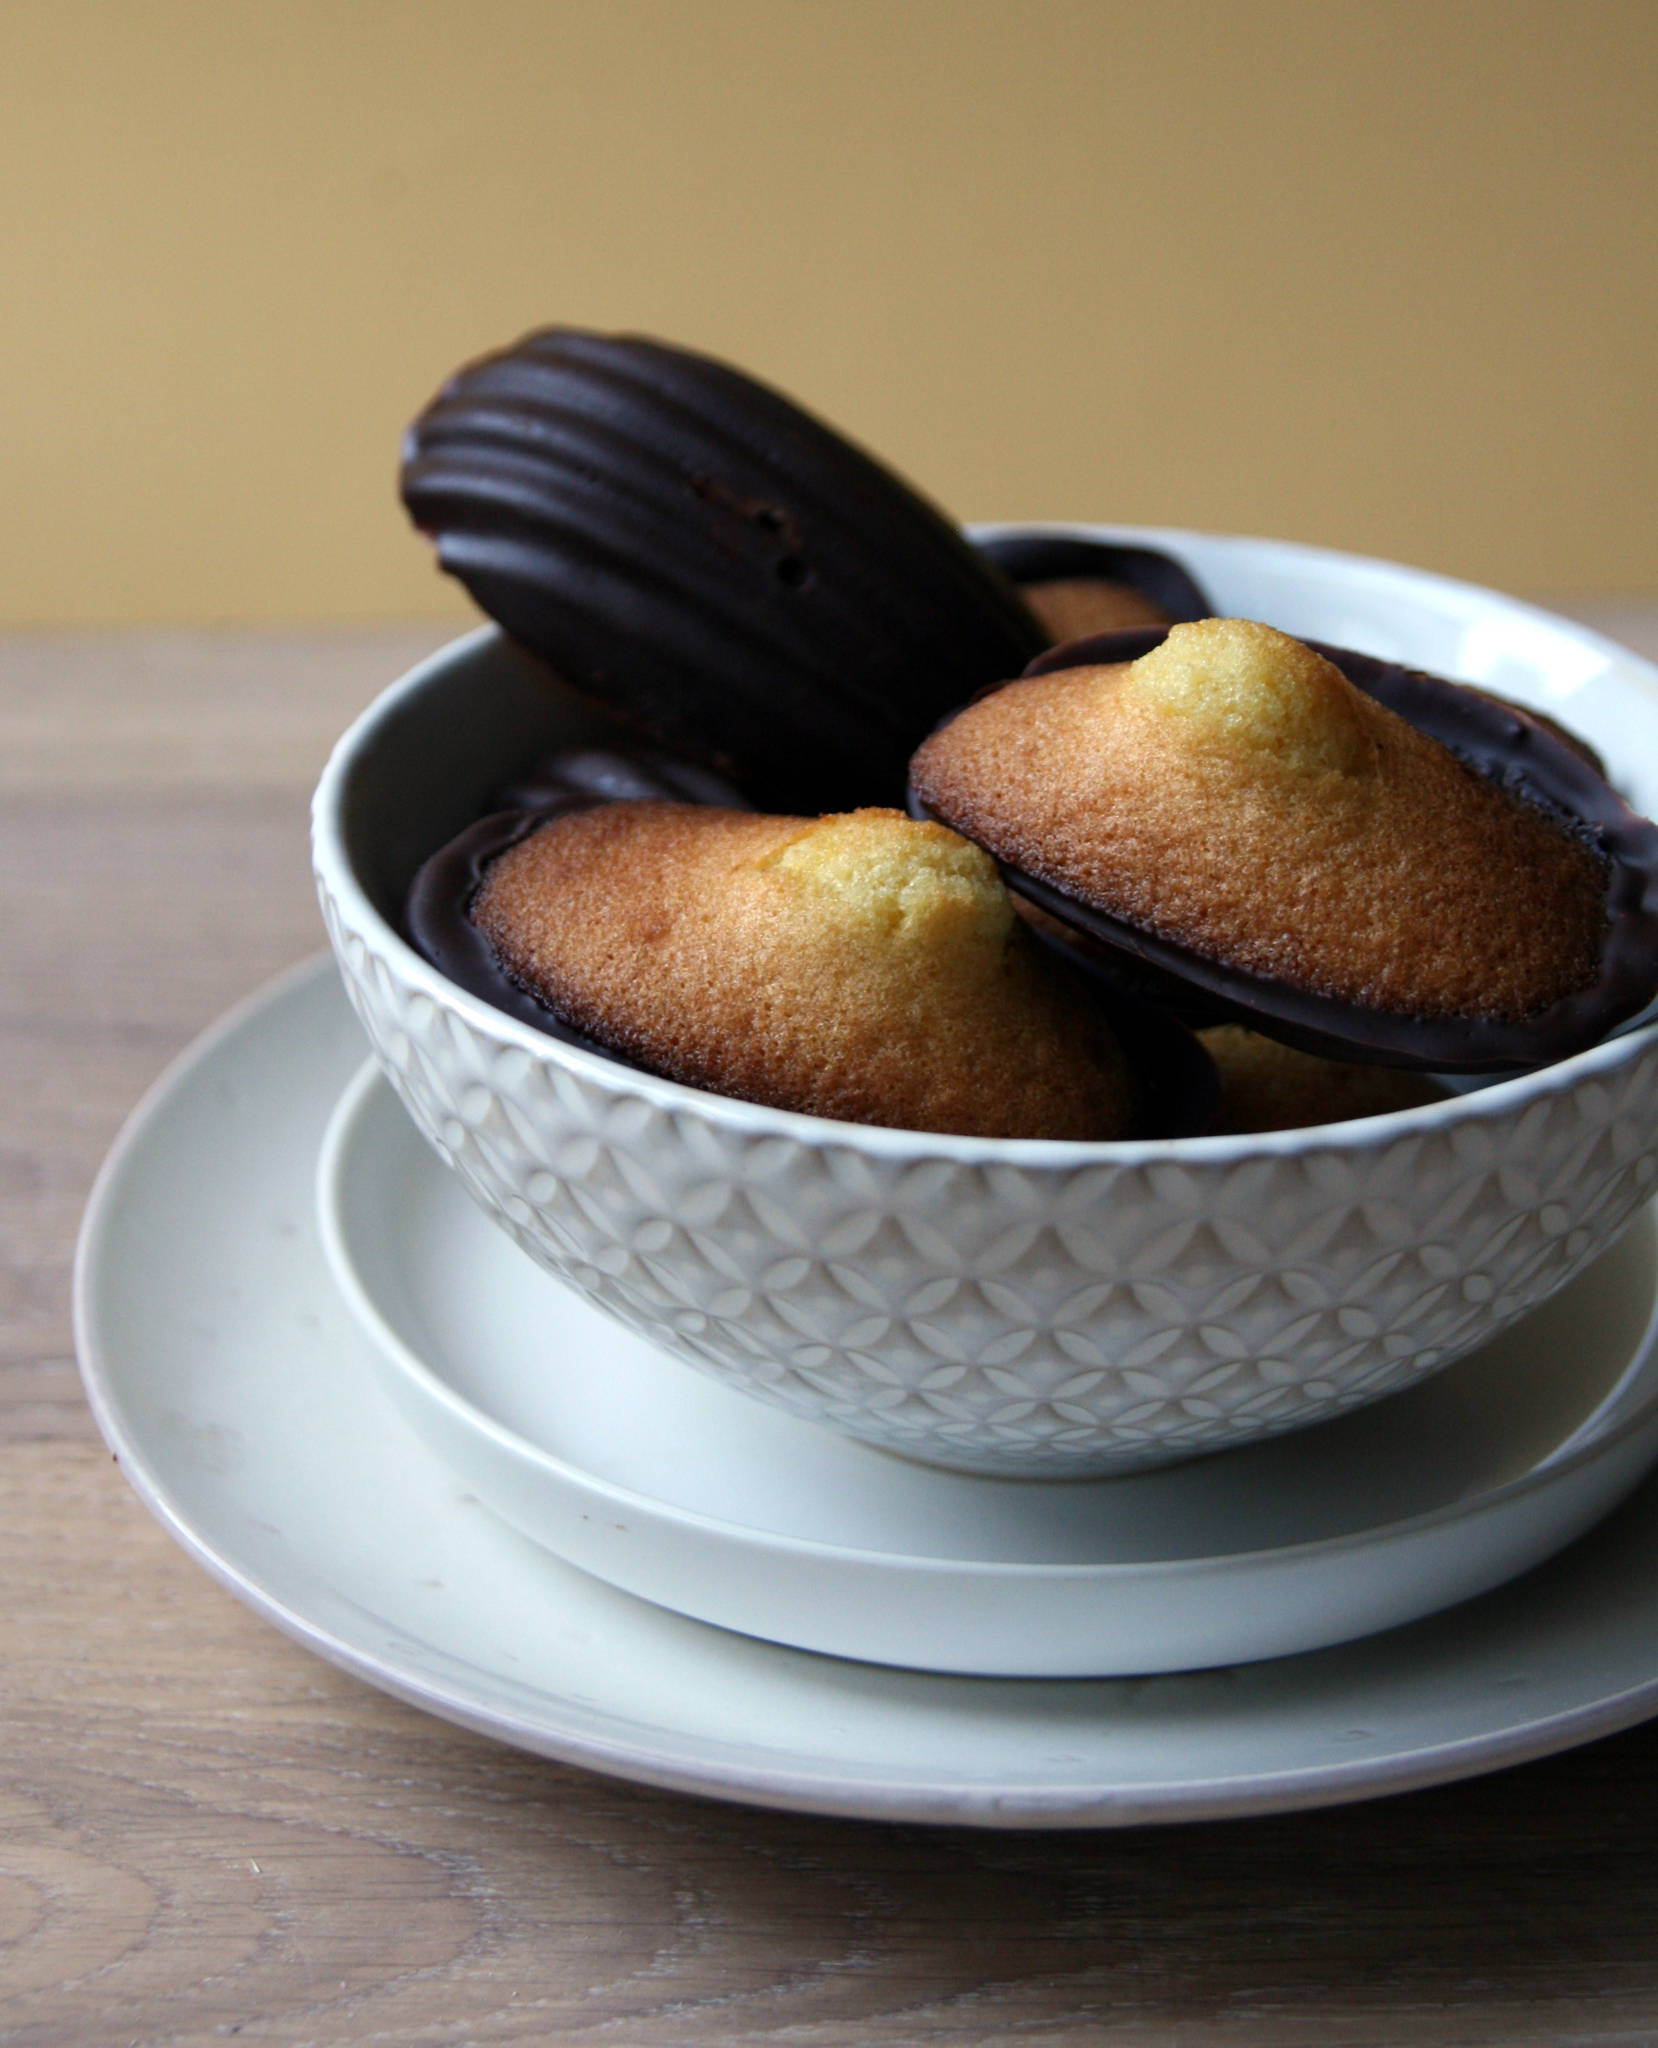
<point>665,1483</point>
<point>241,1400</point>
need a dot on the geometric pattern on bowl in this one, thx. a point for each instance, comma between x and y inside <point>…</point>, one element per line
<point>1049,1320</point>
<point>998,1307</point>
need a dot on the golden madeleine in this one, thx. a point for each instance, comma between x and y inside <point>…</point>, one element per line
<point>1231,794</point>
<point>861,966</point>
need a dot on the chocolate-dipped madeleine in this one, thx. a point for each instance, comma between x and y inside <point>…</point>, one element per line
<point>1077,587</point>
<point>864,967</point>
<point>704,556</point>
<point>436,911</point>
<point>1231,806</point>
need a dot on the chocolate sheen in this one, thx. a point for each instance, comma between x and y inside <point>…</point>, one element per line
<point>710,561</point>
<point>1501,742</point>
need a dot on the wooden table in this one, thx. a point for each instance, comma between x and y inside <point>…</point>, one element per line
<point>204,1831</point>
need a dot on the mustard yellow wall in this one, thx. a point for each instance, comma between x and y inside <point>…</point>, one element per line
<point>1382,275</point>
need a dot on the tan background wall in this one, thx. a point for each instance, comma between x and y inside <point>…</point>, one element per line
<point>1382,275</point>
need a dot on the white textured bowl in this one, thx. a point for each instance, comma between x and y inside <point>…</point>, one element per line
<point>1013,1307</point>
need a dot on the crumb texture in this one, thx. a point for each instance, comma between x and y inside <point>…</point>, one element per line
<point>1232,793</point>
<point>862,967</point>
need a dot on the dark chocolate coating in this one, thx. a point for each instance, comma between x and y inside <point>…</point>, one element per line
<point>1123,976</point>
<point>439,928</point>
<point>696,551</point>
<point>440,897</point>
<point>1047,557</point>
<point>1175,1079</point>
<point>1499,741</point>
<point>568,778</point>
<point>1177,1085</point>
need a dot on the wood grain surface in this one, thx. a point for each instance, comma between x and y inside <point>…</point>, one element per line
<point>206,1833</point>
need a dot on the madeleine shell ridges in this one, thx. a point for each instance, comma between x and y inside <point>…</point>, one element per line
<point>697,551</point>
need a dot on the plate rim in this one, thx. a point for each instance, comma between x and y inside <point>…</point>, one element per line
<point>1590,1440</point>
<point>825,1790</point>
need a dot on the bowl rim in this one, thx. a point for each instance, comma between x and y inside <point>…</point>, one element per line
<point>337,881</point>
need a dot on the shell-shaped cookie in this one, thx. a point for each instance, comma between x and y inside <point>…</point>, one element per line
<point>1077,586</point>
<point>864,967</point>
<point>1437,880</point>
<point>697,551</point>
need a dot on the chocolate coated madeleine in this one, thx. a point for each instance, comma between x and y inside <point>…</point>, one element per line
<point>710,560</point>
<point>1077,586</point>
<point>435,913</point>
<point>1232,808</point>
<point>863,967</point>
<point>1067,607</point>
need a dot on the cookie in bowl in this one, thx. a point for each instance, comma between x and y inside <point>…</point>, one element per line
<point>1230,806</point>
<point>703,555</point>
<point>861,967</point>
<point>1076,586</point>
<point>1265,1085</point>
<point>1018,1306</point>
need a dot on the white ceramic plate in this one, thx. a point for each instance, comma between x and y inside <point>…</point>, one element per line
<point>672,1486</point>
<point>242,1402</point>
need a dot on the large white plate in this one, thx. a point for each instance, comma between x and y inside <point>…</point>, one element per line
<point>675,1487</point>
<point>242,1403</point>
